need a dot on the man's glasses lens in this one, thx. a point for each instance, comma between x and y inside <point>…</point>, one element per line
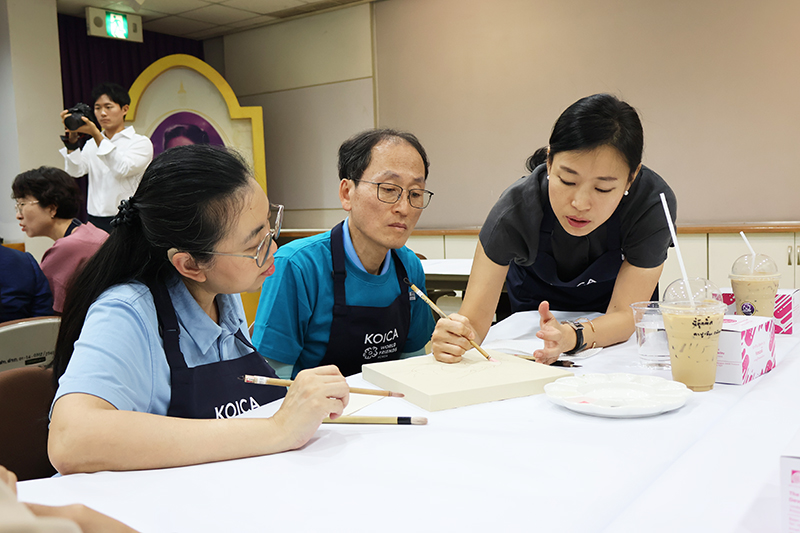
<point>390,194</point>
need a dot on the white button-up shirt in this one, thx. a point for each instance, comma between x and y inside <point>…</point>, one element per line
<point>115,168</point>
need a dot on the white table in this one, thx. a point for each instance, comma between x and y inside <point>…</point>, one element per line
<point>517,465</point>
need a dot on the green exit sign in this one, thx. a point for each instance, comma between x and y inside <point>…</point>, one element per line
<point>113,25</point>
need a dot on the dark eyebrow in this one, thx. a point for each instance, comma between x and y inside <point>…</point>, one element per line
<point>603,178</point>
<point>254,233</point>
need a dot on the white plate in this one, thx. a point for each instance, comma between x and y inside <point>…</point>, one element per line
<point>617,395</point>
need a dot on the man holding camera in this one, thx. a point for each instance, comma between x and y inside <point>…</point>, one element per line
<point>114,156</point>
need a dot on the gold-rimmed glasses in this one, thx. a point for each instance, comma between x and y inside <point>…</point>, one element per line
<point>389,193</point>
<point>19,205</point>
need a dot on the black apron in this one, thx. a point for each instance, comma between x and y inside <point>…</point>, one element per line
<point>214,390</point>
<point>590,291</point>
<point>359,334</point>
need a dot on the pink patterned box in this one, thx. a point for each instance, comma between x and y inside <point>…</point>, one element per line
<point>786,309</point>
<point>746,349</point>
<point>790,487</point>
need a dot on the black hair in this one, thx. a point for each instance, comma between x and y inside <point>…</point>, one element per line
<point>594,121</point>
<point>50,186</point>
<point>116,93</point>
<point>188,199</point>
<point>355,154</point>
<point>190,131</point>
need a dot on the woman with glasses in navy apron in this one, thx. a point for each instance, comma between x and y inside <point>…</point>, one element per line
<point>153,343</point>
<point>585,231</point>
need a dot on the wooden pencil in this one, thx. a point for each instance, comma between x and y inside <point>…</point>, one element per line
<point>263,380</point>
<point>441,314</point>
<point>392,420</point>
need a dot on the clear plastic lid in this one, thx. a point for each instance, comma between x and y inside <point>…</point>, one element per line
<point>700,290</point>
<point>754,265</point>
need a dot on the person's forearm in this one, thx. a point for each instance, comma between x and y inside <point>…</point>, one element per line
<point>609,329</point>
<point>127,440</point>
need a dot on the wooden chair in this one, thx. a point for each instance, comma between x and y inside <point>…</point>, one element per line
<point>28,341</point>
<point>25,398</point>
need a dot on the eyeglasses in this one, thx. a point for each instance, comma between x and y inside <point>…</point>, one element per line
<point>389,193</point>
<point>19,205</point>
<point>262,251</point>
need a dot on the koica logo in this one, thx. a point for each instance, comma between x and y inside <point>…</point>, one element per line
<point>380,338</point>
<point>370,352</point>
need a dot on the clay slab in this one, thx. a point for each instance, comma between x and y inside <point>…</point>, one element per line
<point>435,386</point>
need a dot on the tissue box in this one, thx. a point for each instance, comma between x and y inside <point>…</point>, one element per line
<point>786,309</point>
<point>790,487</point>
<point>746,349</point>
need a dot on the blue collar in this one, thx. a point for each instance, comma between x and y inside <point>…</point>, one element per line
<point>350,251</point>
<point>203,331</point>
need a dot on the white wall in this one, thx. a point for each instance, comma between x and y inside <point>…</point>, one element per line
<point>482,82</point>
<point>313,77</point>
<point>30,101</point>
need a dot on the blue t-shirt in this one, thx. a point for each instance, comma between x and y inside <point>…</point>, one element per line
<point>293,321</point>
<point>120,356</point>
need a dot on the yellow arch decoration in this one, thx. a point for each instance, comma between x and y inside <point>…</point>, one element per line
<point>235,111</point>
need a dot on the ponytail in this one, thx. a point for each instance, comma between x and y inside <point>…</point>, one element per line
<point>187,199</point>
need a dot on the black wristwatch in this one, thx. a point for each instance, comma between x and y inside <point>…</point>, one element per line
<point>579,344</point>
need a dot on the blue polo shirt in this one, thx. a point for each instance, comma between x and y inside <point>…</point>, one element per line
<point>295,310</point>
<point>120,356</point>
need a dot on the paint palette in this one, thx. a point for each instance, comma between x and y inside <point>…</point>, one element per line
<point>618,395</point>
<point>435,386</point>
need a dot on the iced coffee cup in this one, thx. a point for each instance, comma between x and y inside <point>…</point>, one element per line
<point>693,330</point>
<point>755,280</point>
<point>692,313</point>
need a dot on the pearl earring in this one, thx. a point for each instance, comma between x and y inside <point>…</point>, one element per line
<point>626,193</point>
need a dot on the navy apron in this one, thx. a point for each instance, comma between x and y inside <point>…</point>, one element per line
<point>590,291</point>
<point>215,390</point>
<point>361,335</point>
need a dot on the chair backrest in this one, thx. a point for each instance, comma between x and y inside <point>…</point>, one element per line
<point>29,341</point>
<point>25,398</point>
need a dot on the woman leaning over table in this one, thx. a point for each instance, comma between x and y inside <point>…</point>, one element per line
<point>585,231</point>
<point>47,201</point>
<point>159,332</point>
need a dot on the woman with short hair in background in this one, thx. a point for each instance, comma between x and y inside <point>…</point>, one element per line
<point>47,201</point>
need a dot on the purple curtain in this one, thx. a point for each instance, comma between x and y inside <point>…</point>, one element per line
<point>87,61</point>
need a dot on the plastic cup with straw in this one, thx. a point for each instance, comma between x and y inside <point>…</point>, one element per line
<point>754,280</point>
<point>693,325</point>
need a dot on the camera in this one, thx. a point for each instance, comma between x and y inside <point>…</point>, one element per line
<point>74,121</point>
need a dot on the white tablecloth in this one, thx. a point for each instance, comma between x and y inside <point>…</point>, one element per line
<point>516,465</point>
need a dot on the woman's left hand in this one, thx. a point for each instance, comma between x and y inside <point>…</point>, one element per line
<point>558,338</point>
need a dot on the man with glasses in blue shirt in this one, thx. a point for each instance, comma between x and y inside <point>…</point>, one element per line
<point>342,297</point>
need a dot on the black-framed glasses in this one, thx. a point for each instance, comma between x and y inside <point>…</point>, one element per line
<point>389,193</point>
<point>19,205</point>
<point>262,251</point>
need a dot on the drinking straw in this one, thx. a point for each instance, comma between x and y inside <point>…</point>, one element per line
<point>677,248</point>
<point>747,242</point>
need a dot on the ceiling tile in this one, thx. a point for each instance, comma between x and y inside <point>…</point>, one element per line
<point>125,7</point>
<point>173,6</point>
<point>261,19</point>
<point>264,6</point>
<point>210,33</point>
<point>218,14</point>
<point>174,25</point>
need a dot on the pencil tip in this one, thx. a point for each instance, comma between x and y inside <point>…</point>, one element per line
<point>397,395</point>
<point>418,421</point>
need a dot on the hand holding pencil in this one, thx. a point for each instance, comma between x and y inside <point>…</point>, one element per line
<point>441,314</point>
